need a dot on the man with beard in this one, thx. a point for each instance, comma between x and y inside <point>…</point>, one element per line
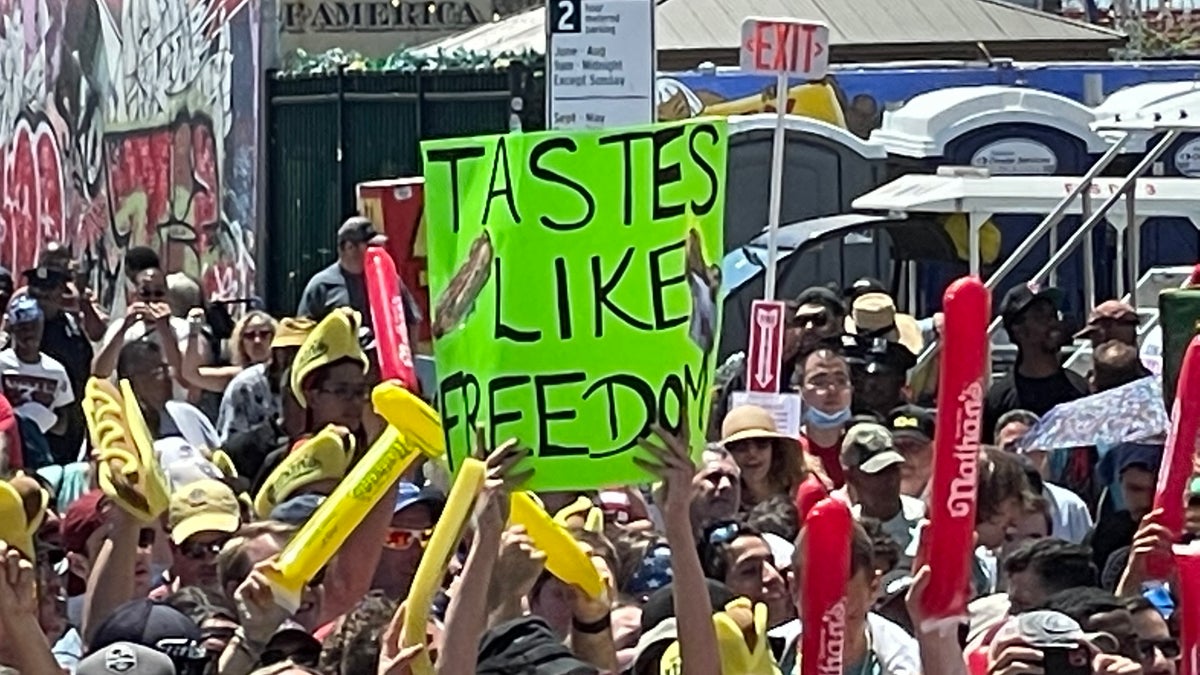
<point>1038,381</point>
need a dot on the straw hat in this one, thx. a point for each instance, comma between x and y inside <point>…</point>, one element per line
<point>875,314</point>
<point>750,421</point>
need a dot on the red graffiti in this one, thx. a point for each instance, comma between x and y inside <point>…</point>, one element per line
<point>163,182</point>
<point>31,193</point>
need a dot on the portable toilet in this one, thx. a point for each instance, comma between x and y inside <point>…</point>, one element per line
<point>1165,241</point>
<point>1007,131</point>
<point>825,167</point>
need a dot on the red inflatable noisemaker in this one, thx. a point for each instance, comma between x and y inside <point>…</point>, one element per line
<point>827,539</point>
<point>387,316</point>
<point>1178,454</point>
<point>951,530</point>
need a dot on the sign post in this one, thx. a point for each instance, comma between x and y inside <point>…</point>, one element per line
<point>600,63</point>
<point>766,343</point>
<point>785,48</point>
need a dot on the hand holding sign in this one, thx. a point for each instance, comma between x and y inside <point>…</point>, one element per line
<point>672,463</point>
<point>491,511</point>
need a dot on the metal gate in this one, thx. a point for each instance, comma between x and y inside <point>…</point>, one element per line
<point>377,120</point>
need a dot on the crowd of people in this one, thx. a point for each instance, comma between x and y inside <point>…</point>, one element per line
<point>701,567</point>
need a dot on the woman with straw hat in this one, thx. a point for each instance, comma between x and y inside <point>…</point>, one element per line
<point>772,464</point>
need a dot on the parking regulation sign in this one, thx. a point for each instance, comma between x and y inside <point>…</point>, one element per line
<point>600,63</point>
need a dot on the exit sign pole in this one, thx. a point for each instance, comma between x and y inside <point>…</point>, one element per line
<point>786,48</point>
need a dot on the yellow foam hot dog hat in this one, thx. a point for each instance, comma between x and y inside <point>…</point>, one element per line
<point>325,456</point>
<point>738,626</point>
<point>583,512</point>
<point>334,339</point>
<point>123,449</point>
<point>22,508</point>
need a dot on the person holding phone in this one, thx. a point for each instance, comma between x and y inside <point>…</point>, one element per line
<point>1053,643</point>
<point>149,317</point>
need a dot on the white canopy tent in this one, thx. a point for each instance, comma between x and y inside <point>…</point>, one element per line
<point>980,196</point>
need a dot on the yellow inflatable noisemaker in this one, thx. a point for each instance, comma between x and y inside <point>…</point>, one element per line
<point>565,559</point>
<point>124,449</point>
<point>325,532</point>
<point>442,544</point>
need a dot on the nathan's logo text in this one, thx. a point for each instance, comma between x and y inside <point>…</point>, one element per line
<point>966,451</point>
<point>834,623</point>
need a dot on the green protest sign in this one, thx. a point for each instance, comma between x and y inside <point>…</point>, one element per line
<point>574,279</point>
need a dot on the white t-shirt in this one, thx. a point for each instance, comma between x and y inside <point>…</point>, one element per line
<point>138,331</point>
<point>895,651</point>
<point>35,390</point>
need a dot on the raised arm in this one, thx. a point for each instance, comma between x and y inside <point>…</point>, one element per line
<point>673,465</point>
<point>466,617</point>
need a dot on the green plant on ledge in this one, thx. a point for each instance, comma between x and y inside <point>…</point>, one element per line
<point>403,60</point>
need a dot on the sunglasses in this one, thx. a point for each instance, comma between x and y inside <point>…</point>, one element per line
<point>814,320</point>
<point>262,334</point>
<point>400,539</point>
<point>723,534</point>
<point>151,293</point>
<point>195,550</point>
<point>146,538</point>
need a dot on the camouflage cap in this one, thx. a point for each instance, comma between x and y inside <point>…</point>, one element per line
<point>868,447</point>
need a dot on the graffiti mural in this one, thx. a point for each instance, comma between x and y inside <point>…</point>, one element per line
<point>126,123</point>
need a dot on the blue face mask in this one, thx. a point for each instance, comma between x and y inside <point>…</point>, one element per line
<point>823,420</point>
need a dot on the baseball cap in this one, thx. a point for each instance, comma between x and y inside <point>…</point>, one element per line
<point>126,658</point>
<point>912,421</point>
<point>205,505</point>
<point>46,276</point>
<point>864,285</point>
<point>151,624</point>
<point>359,230</point>
<point>24,310</point>
<point>1109,310</point>
<point>83,517</point>
<point>820,295</point>
<point>408,494</point>
<point>868,448</point>
<point>1020,297</point>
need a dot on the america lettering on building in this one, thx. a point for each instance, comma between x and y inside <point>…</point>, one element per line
<point>331,16</point>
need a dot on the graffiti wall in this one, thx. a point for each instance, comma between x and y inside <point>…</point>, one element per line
<point>131,122</point>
